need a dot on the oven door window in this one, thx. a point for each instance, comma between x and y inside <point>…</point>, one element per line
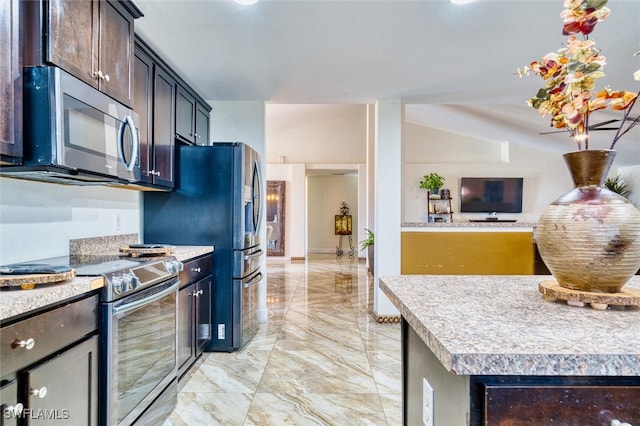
<point>146,350</point>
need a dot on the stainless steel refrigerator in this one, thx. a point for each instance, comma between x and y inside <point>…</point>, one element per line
<point>217,200</point>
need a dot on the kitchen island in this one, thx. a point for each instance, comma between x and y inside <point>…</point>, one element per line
<point>492,349</point>
<point>468,248</point>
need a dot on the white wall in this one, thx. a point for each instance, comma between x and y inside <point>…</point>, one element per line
<point>37,220</point>
<point>326,193</point>
<point>317,134</point>
<point>428,150</point>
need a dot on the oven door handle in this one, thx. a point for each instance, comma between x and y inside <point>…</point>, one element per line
<point>256,279</point>
<point>136,304</point>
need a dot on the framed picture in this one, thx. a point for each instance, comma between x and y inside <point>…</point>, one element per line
<point>343,224</point>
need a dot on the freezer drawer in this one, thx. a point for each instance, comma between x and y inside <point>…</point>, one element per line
<point>246,322</point>
<point>247,262</point>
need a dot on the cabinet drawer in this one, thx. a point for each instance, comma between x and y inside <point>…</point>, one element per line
<point>562,404</point>
<point>46,333</point>
<point>196,269</point>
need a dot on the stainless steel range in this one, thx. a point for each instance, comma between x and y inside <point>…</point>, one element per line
<point>138,366</point>
<point>139,320</point>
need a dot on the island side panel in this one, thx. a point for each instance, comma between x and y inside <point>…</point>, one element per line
<point>467,253</point>
<point>450,392</point>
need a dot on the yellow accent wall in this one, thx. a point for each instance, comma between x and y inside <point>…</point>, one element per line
<point>467,253</point>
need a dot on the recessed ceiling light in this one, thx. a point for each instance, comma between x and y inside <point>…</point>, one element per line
<point>246,2</point>
<point>460,1</point>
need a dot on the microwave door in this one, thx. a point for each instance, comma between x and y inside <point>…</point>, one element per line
<point>85,132</point>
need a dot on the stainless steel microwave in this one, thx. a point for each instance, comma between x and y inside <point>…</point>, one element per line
<point>74,133</point>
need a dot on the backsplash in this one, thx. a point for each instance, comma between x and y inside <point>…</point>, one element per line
<point>37,220</point>
<point>99,245</point>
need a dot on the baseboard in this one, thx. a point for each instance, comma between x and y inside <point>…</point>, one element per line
<point>385,319</point>
<point>298,259</point>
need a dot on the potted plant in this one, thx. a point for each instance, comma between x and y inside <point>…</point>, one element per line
<point>367,243</point>
<point>618,185</point>
<point>433,182</point>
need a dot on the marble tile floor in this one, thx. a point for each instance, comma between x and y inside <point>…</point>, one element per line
<point>320,359</point>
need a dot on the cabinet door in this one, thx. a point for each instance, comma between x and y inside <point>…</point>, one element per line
<point>561,404</point>
<point>203,314</point>
<point>10,84</point>
<point>143,77</point>
<point>65,388</point>
<point>185,327</point>
<point>202,125</point>
<point>10,409</point>
<point>163,127</point>
<point>115,60</point>
<point>71,43</point>
<point>185,120</point>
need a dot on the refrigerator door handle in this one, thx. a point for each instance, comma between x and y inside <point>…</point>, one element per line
<point>255,280</point>
<point>256,253</point>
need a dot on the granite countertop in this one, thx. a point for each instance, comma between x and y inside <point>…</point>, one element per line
<point>501,325</point>
<point>484,225</point>
<point>18,302</point>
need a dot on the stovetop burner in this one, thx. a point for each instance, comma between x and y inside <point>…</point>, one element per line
<point>123,274</point>
<point>97,264</point>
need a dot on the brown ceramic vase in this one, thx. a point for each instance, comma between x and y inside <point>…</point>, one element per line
<point>589,238</point>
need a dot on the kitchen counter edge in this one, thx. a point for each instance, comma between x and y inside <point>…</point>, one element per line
<point>501,325</point>
<point>19,303</point>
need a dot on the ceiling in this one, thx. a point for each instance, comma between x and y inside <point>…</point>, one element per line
<point>452,65</point>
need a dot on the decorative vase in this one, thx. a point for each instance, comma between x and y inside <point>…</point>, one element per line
<point>589,238</point>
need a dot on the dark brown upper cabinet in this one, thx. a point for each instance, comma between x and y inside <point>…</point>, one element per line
<point>10,83</point>
<point>154,101</point>
<point>91,39</point>
<point>192,118</point>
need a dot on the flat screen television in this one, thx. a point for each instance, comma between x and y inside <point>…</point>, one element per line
<point>491,194</point>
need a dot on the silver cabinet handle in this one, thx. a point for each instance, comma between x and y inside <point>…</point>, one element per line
<point>40,393</point>
<point>195,269</point>
<point>27,344</point>
<point>100,75</point>
<point>13,410</point>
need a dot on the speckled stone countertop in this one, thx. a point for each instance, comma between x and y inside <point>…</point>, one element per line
<point>501,325</point>
<point>15,303</point>
<point>475,225</point>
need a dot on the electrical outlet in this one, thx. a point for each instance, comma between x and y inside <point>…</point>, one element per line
<point>427,403</point>
<point>221,331</point>
<point>116,222</point>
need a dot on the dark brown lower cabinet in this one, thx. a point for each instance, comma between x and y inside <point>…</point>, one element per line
<point>194,311</point>
<point>49,367</point>
<point>579,401</point>
<point>64,388</point>
<point>10,407</point>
